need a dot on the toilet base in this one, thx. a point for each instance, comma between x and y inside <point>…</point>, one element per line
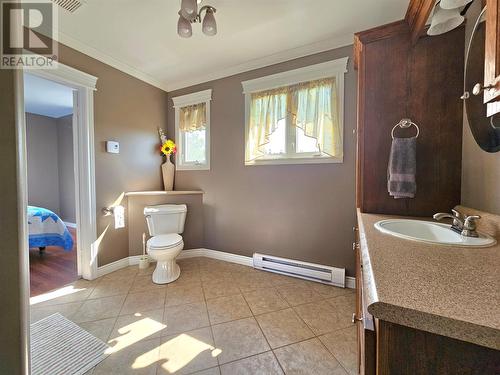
<point>166,271</point>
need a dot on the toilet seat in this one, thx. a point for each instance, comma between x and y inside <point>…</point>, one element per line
<point>164,241</point>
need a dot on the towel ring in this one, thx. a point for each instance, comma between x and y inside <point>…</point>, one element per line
<point>405,123</point>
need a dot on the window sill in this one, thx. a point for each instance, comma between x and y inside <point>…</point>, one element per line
<point>306,160</point>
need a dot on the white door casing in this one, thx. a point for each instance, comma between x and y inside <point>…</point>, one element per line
<point>84,86</point>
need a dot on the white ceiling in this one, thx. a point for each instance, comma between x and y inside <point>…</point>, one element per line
<point>140,36</point>
<point>47,98</point>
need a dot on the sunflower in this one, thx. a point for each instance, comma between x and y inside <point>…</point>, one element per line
<point>169,148</point>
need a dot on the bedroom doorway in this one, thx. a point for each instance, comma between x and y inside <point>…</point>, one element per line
<point>52,222</point>
<point>59,197</point>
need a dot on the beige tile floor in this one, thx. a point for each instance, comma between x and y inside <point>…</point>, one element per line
<point>217,318</point>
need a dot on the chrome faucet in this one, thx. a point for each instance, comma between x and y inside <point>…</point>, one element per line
<point>462,224</point>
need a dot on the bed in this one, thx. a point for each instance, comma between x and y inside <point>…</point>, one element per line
<point>47,229</point>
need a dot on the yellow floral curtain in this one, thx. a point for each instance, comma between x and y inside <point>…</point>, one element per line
<point>193,117</point>
<point>312,107</point>
<point>266,109</point>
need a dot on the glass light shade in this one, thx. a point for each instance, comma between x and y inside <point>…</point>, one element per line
<point>184,28</point>
<point>444,20</point>
<point>453,4</point>
<point>189,9</point>
<point>209,25</point>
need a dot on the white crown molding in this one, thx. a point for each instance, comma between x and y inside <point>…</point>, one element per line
<point>67,75</point>
<point>108,59</point>
<point>350,282</point>
<point>279,57</point>
<point>262,62</point>
<point>191,99</point>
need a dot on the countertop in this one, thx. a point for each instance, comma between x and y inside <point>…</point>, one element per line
<point>450,291</point>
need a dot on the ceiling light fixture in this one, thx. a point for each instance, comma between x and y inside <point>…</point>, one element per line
<point>453,4</point>
<point>189,14</point>
<point>189,9</point>
<point>448,15</point>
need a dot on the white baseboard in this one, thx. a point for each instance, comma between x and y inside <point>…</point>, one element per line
<point>113,266</point>
<point>350,282</point>
<point>192,253</point>
<point>228,257</point>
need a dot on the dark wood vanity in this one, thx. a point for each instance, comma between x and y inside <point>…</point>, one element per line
<point>417,316</point>
<point>415,339</point>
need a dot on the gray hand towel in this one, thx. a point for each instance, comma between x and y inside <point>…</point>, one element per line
<point>402,168</point>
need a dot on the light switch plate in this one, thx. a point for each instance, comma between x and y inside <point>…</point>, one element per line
<point>112,147</point>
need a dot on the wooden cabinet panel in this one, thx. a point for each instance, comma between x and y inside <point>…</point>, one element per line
<point>416,17</point>
<point>492,56</point>
<point>424,82</point>
<point>404,350</point>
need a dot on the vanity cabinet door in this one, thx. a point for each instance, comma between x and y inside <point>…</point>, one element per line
<point>359,306</point>
<point>492,57</point>
<point>366,335</point>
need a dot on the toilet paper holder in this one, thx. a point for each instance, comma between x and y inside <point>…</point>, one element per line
<point>118,213</point>
<point>108,211</point>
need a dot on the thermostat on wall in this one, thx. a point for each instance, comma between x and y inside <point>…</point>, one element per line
<point>112,147</point>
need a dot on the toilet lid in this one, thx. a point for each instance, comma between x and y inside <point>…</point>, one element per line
<point>163,241</point>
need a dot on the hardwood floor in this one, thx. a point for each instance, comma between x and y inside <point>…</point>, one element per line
<point>53,269</point>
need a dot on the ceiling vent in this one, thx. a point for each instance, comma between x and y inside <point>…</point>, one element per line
<point>70,5</point>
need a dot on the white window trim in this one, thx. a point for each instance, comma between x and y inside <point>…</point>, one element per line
<point>335,68</point>
<point>183,101</point>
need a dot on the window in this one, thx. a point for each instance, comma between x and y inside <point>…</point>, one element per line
<point>296,117</point>
<point>192,130</point>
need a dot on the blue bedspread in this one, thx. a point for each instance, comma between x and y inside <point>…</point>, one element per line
<point>47,229</point>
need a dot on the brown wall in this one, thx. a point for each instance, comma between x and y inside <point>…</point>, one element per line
<point>480,169</point>
<point>51,177</point>
<point>304,212</point>
<point>129,111</point>
<point>43,162</point>
<point>67,203</point>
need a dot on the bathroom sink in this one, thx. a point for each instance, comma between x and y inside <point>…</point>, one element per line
<point>430,232</point>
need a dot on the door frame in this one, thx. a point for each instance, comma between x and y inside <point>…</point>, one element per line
<point>83,85</point>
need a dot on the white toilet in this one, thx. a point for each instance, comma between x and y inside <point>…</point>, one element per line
<point>165,223</point>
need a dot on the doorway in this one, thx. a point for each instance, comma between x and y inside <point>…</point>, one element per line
<point>52,221</point>
<point>60,183</point>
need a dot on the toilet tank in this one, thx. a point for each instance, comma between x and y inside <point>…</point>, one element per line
<point>165,218</point>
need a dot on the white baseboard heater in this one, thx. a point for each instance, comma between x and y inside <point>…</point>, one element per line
<point>295,268</point>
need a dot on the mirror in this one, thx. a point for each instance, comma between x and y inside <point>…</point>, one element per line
<point>486,130</point>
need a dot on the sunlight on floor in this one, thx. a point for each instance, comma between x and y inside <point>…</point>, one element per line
<point>177,353</point>
<point>133,333</point>
<point>61,292</point>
